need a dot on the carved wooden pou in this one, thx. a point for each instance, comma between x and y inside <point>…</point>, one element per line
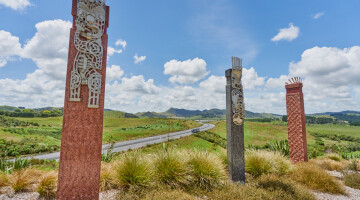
<point>296,121</point>
<point>80,157</point>
<point>235,118</point>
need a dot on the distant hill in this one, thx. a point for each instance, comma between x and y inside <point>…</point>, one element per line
<point>349,115</point>
<point>198,114</point>
<point>8,108</point>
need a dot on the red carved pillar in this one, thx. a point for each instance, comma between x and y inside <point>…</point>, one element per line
<point>296,121</point>
<point>80,157</point>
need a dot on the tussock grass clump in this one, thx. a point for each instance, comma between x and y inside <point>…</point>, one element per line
<point>330,164</point>
<point>206,170</point>
<point>170,167</point>
<point>284,188</point>
<point>334,157</point>
<point>107,176</point>
<point>316,178</point>
<point>22,180</point>
<point>169,194</point>
<point>259,162</point>
<point>133,170</point>
<point>47,185</point>
<point>352,180</point>
<point>3,180</point>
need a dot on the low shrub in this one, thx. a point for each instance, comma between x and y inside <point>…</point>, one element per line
<point>283,187</point>
<point>170,167</point>
<point>107,177</point>
<point>352,180</point>
<point>259,162</point>
<point>169,194</point>
<point>206,170</point>
<point>133,171</point>
<point>47,185</point>
<point>316,178</point>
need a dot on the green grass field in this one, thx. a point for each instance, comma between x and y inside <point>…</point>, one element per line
<point>48,133</point>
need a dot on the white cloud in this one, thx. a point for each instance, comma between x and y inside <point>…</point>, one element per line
<point>318,15</point>
<point>288,34</point>
<point>111,51</point>
<point>15,4</point>
<point>9,46</point>
<point>121,42</point>
<point>215,84</point>
<point>49,47</point>
<point>139,85</point>
<point>186,72</point>
<point>114,73</point>
<point>251,79</point>
<point>138,59</point>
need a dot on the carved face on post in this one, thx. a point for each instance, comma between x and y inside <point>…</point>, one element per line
<point>237,93</point>
<point>90,27</point>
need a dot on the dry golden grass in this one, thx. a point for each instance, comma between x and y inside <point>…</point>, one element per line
<point>352,180</point>
<point>316,178</point>
<point>357,165</point>
<point>23,180</point>
<point>330,164</point>
<point>3,179</point>
<point>334,157</point>
<point>107,176</point>
<point>284,188</point>
<point>259,162</point>
<point>48,185</point>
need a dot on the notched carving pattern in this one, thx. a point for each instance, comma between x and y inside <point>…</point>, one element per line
<point>90,27</point>
<point>237,92</point>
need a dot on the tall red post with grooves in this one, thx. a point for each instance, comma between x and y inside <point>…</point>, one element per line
<point>296,121</point>
<point>80,157</point>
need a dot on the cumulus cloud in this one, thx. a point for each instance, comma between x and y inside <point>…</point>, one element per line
<point>49,47</point>
<point>139,59</point>
<point>114,73</point>
<point>251,79</point>
<point>15,4</point>
<point>186,72</point>
<point>138,84</point>
<point>318,15</point>
<point>215,84</point>
<point>121,42</point>
<point>111,51</point>
<point>9,46</point>
<point>288,34</point>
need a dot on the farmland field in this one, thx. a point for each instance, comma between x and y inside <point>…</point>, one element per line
<point>44,134</point>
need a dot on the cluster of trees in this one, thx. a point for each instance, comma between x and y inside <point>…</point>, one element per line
<point>10,122</point>
<point>347,117</point>
<point>15,149</point>
<point>315,120</point>
<point>259,119</point>
<point>31,113</point>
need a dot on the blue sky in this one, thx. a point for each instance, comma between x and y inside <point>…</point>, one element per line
<point>183,48</point>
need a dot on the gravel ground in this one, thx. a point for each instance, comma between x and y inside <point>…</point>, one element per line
<point>353,194</point>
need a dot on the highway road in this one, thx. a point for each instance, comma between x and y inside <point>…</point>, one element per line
<point>132,144</point>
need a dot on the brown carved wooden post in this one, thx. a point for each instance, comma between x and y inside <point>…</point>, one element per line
<point>80,157</point>
<point>235,118</point>
<point>296,121</point>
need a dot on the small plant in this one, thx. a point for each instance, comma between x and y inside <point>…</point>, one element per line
<point>280,146</point>
<point>3,180</point>
<point>107,180</point>
<point>133,171</point>
<point>47,185</point>
<point>109,155</point>
<point>170,168</point>
<point>352,180</point>
<point>316,178</point>
<point>206,170</point>
<point>20,163</point>
<point>22,180</point>
<point>259,162</point>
